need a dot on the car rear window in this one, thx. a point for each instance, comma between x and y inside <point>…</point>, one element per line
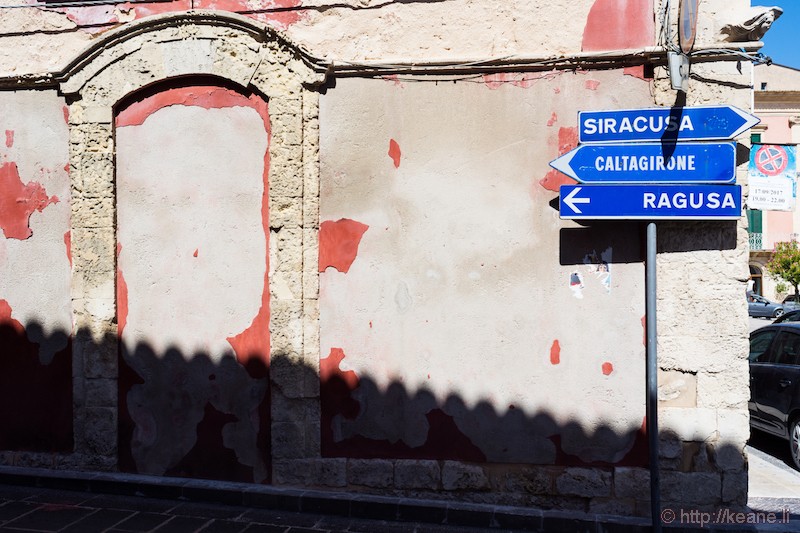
<point>759,346</point>
<point>786,348</point>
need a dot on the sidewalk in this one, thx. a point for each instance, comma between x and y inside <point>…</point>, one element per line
<point>37,500</point>
<point>772,488</point>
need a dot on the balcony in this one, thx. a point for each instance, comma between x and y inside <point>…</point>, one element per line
<point>756,241</point>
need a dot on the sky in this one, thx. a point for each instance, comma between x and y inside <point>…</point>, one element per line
<point>780,42</point>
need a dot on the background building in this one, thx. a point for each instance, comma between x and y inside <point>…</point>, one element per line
<point>319,245</point>
<point>777,104</point>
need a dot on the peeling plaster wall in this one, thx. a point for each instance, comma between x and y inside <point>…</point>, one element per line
<point>434,329</point>
<point>341,31</point>
<point>192,231</point>
<point>35,310</point>
<point>456,294</point>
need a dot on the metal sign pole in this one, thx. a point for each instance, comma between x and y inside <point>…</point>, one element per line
<point>652,377</point>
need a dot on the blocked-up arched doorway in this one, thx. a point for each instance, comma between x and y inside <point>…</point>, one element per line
<point>194,171</point>
<point>192,191</point>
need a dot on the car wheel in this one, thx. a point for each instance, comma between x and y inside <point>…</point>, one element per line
<point>794,441</point>
<point>777,313</point>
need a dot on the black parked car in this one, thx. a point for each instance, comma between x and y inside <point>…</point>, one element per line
<point>789,316</point>
<point>775,383</point>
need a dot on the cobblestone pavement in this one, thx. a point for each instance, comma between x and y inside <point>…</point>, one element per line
<point>28,508</point>
<point>35,509</point>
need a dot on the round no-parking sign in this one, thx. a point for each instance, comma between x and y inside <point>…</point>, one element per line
<point>771,160</point>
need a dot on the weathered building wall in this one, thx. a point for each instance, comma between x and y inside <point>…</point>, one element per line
<point>340,30</point>
<point>35,309</point>
<point>193,295</point>
<point>464,274</point>
<point>434,328</point>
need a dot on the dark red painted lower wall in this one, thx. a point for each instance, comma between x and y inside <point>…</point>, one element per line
<point>35,399</point>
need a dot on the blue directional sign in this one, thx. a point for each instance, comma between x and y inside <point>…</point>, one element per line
<point>650,163</point>
<point>651,202</point>
<point>701,123</point>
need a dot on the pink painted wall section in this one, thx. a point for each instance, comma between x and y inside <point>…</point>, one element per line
<point>35,299</point>
<point>780,227</point>
<point>619,25</point>
<point>97,18</point>
<point>778,129</point>
<point>193,291</point>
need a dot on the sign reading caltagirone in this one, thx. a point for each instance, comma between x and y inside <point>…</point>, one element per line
<point>773,177</point>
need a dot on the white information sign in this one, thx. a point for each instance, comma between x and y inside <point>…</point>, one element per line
<point>772,176</point>
<point>771,194</point>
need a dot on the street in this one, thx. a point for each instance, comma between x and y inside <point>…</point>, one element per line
<point>756,323</point>
<point>771,474</point>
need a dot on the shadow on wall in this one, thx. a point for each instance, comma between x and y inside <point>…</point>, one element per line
<point>35,396</point>
<point>628,239</point>
<point>187,415</point>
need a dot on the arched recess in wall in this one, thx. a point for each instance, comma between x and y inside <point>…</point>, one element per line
<point>756,277</point>
<point>186,129</point>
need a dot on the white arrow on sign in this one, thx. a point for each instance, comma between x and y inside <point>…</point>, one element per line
<point>570,200</point>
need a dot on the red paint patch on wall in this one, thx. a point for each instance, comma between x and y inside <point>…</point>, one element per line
<point>394,152</point>
<point>196,252</point>
<point>37,398</point>
<point>517,79</point>
<point>9,138</point>
<point>592,85</point>
<point>567,140</point>
<point>608,368</point>
<point>555,353</point>
<point>619,24</point>
<point>68,245</point>
<point>205,96</point>
<point>93,18</point>
<point>338,243</point>
<point>18,202</point>
<point>65,111</point>
<point>393,79</point>
<point>636,72</point>
<point>644,330</point>
<point>122,297</point>
<point>553,119</point>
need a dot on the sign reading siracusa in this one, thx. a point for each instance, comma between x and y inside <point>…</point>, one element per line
<point>637,124</point>
<point>664,124</point>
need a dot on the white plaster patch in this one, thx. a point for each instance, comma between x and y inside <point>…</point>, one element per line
<point>35,272</point>
<point>191,179</point>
